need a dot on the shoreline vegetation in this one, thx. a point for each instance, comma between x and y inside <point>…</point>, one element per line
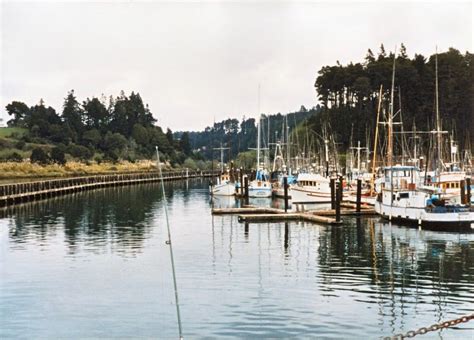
<point>26,171</point>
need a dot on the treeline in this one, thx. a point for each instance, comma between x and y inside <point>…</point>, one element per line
<point>349,94</point>
<point>239,136</point>
<point>118,128</point>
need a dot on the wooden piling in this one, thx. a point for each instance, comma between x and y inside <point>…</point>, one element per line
<point>246,180</point>
<point>359,194</point>
<point>468,187</point>
<point>285,189</point>
<point>332,183</point>
<point>463,191</point>
<point>338,202</point>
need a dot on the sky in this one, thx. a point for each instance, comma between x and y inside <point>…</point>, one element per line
<point>199,62</point>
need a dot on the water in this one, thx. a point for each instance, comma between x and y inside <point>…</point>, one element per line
<point>95,264</point>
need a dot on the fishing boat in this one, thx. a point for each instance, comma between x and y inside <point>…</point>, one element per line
<point>225,185</point>
<point>404,199</point>
<point>311,188</point>
<point>260,186</point>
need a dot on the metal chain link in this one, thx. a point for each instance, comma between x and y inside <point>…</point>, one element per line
<point>432,328</point>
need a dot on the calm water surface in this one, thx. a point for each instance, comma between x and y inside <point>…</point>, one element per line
<point>95,264</point>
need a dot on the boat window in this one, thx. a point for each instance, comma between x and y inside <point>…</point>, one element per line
<point>404,195</point>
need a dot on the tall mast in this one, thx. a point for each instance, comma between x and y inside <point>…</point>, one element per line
<point>390,117</point>
<point>258,130</point>
<point>372,182</point>
<point>438,120</point>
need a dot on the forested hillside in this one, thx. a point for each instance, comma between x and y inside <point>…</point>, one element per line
<point>239,136</point>
<point>98,128</point>
<point>349,93</point>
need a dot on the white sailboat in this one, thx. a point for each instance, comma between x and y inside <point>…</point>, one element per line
<point>260,186</point>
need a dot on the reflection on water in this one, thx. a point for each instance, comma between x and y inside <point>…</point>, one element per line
<point>95,264</point>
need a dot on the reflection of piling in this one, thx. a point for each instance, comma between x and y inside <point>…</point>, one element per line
<point>359,194</point>
<point>285,188</point>
<point>287,230</point>
<point>246,229</point>
<point>338,202</point>
<point>463,192</point>
<point>468,187</point>
<point>333,193</point>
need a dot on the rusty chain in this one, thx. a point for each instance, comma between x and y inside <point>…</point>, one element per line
<point>432,328</point>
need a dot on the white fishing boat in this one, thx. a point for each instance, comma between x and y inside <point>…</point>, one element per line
<point>311,188</point>
<point>224,186</point>
<point>402,200</point>
<point>260,186</point>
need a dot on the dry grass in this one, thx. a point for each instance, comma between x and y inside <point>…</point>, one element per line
<point>12,170</point>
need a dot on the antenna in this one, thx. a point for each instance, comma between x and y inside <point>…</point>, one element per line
<point>180,329</point>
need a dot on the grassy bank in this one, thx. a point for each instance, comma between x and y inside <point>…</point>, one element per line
<point>12,171</point>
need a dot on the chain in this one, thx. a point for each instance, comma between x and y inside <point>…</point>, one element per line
<point>432,328</point>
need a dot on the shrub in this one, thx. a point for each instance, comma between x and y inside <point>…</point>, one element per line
<point>39,156</point>
<point>57,156</point>
<point>20,144</point>
<point>13,157</point>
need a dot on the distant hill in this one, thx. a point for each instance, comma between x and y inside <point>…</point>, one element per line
<point>241,135</point>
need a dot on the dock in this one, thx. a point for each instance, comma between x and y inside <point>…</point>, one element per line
<point>263,214</point>
<point>16,193</point>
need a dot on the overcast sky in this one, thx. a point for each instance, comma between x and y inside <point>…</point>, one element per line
<point>194,62</point>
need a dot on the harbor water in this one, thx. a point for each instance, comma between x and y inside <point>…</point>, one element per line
<point>95,264</point>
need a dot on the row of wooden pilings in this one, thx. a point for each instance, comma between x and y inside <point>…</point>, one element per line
<point>336,194</point>
<point>28,191</point>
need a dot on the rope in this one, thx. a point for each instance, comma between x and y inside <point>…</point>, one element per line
<point>171,247</point>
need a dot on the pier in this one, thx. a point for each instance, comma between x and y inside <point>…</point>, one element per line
<point>16,193</point>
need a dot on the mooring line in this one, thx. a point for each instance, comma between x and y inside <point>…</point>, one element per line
<point>171,247</point>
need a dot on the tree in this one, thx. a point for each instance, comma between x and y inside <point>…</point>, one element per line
<point>72,115</point>
<point>39,156</point>
<point>19,111</point>
<point>184,143</point>
<point>113,145</point>
<point>140,135</point>
<point>91,138</point>
<point>95,114</point>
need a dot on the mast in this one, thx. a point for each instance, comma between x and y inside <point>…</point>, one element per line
<point>438,120</point>
<point>390,117</point>
<point>375,142</point>
<point>258,130</point>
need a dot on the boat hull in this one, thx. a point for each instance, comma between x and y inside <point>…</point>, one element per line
<point>225,189</point>
<point>421,217</point>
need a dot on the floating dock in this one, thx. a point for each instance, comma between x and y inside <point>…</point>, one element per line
<point>263,214</point>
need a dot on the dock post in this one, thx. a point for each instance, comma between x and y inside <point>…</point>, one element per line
<point>468,187</point>
<point>463,191</point>
<point>341,181</point>
<point>246,230</point>
<point>359,194</point>
<point>285,188</point>
<point>338,202</point>
<point>241,189</point>
<point>333,193</point>
<point>246,180</point>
